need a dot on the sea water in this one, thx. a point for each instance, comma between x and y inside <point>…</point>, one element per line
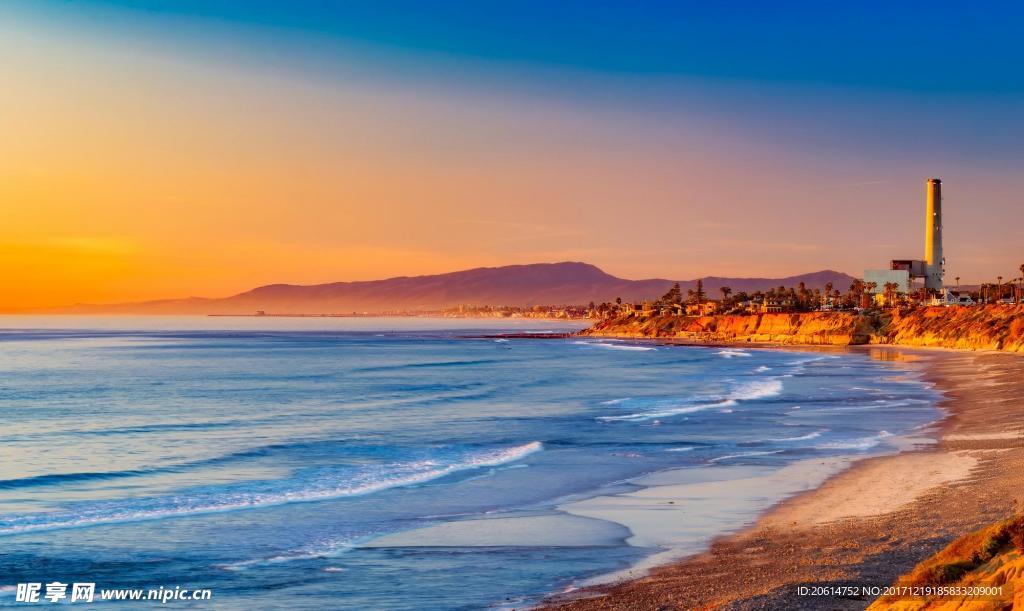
<point>353,463</point>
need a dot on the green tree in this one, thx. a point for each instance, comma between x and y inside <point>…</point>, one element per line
<point>674,295</point>
<point>803,296</point>
<point>697,296</point>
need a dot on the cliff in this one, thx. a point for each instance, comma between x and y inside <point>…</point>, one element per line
<point>989,558</point>
<point>994,327</point>
<point>816,328</point>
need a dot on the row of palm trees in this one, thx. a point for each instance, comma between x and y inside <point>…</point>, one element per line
<point>801,298</point>
<point>1013,288</point>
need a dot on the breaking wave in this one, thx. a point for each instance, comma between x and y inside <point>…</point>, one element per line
<point>749,391</point>
<point>728,353</point>
<point>324,484</point>
<point>617,346</point>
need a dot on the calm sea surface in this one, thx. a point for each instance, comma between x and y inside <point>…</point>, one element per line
<point>262,458</point>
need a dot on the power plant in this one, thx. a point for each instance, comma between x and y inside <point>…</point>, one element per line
<point>931,269</point>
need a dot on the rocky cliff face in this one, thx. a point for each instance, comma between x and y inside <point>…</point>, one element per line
<point>814,328</point>
<point>992,327</point>
<point>976,328</point>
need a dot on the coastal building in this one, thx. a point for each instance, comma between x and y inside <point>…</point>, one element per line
<point>931,269</point>
<point>951,298</point>
<point>880,277</point>
<point>705,308</point>
<point>672,309</point>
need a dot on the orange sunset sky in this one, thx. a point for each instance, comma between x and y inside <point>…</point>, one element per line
<point>154,154</point>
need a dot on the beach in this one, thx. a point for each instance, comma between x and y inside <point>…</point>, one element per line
<point>864,525</point>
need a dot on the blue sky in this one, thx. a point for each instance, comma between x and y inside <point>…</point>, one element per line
<point>952,47</point>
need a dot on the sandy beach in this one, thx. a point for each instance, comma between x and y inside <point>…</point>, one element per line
<point>864,525</point>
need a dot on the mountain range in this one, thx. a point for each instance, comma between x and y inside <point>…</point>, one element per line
<point>567,283</point>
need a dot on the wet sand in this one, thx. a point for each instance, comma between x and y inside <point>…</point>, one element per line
<point>868,524</point>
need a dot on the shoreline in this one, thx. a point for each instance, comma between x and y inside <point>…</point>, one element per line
<point>866,524</point>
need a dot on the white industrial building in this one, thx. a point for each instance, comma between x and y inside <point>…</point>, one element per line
<point>931,269</point>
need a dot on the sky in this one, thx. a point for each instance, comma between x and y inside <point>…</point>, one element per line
<point>201,147</point>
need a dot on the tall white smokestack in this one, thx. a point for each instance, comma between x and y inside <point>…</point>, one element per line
<point>933,235</point>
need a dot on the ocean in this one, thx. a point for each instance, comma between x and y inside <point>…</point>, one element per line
<point>401,463</point>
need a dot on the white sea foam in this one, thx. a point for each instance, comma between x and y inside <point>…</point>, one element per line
<point>750,391</point>
<point>672,411</point>
<point>864,443</point>
<point>398,475</point>
<point>763,368</point>
<point>616,401</point>
<point>759,389</point>
<point>728,354</point>
<point>611,346</point>
<point>744,455</point>
<point>812,435</point>
<point>858,444</point>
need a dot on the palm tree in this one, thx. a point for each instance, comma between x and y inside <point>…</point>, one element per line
<point>726,291</point>
<point>890,293</point>
<point>856,291</point>
<point>957,283</point>
<point>999,287</point>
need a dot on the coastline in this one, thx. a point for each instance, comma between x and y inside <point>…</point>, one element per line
<point>863,525</point>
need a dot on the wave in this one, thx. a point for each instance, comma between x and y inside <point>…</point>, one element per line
<point>325,484</point>
<point>728,354</point>
<point>335,445</point>
<point>55,479</point>
<point>316,551</point>
<point>428,365</point>
<point>760,389</point>
<point>812,435</point>
<point>745,455</point>
<point>864,443</point>
<point>675,411</point>
<point>617,346</point>
<point>750,391</point>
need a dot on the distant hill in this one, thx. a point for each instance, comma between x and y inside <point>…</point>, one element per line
<point>569,283</point>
